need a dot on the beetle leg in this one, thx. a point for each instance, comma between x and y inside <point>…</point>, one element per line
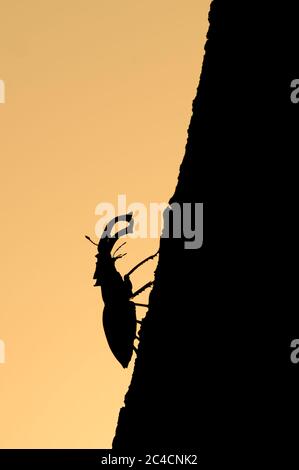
<point>146,286</point>
<point>119,256</point>
<point>142,262</point>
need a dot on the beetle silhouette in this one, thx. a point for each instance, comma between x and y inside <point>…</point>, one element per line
<point>119,314</point>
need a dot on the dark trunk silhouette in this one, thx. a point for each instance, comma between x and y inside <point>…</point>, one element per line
<point>204,371</point>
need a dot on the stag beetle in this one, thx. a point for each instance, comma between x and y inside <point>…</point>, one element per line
<point>119,314</point>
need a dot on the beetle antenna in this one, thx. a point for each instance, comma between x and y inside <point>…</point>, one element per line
<point>90,240</point>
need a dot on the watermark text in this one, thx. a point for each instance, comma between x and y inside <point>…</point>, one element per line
<point>295,93</point>
<point>158,219</point>
<point>2,92</point>
<point>2,352</point>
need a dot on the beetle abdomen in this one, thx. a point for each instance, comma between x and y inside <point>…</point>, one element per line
<point>119,321</point>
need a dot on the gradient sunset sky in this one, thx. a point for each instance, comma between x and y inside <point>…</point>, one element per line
<point>98,103</point>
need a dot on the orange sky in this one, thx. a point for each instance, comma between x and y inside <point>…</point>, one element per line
<point>98,102</point>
